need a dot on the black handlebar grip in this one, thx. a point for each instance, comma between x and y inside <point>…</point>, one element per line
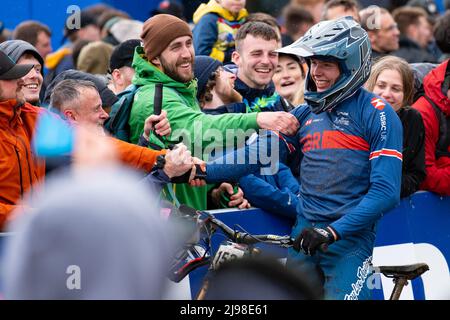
<point>157,101</point>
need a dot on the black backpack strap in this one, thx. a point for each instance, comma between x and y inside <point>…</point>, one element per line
<point>117,124</point>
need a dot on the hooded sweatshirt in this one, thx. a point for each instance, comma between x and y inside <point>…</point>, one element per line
<point>215,29</point>
<point>437,168</point>
<point>184,115</point>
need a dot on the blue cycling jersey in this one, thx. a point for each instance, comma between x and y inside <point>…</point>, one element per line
<point>350,170</point>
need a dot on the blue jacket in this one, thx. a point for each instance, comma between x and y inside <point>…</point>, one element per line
<point>351,162</point>
<point>282,189</point>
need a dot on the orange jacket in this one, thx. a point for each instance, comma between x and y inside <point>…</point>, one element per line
<point>20,170</point>
<point>135,156</point>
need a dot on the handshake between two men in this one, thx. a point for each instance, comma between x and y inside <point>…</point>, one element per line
<point>180,167</point>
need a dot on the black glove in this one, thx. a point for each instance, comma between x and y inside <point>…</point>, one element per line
<point>312,239</point>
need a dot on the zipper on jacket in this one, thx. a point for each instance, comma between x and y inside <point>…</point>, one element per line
<point>28,159</point>
<point>20,171</point>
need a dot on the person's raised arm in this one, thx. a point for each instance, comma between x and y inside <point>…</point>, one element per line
<point>266,151</point>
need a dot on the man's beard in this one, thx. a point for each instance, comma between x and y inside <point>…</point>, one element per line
<point>233,97</point>
<point>20,97</point>
<point>20,100</point>
<point>171,71</point>
<point>33,101</point>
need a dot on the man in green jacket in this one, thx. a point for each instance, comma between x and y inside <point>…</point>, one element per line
<point>167,57</point>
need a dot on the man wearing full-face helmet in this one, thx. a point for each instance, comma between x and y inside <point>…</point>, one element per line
<point>350,146</point>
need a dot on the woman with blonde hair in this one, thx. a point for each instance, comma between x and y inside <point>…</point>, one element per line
<point>393,80</point>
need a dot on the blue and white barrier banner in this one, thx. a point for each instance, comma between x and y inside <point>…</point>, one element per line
<point>418,230</point>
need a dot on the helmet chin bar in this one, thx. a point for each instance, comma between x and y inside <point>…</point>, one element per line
<point>343,41</point>
<point>327,97</point>
<point>326,104</point>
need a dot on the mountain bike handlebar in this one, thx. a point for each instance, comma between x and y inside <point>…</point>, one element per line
<point>193,260</point>
<point>193,256</point>
<point>247,238</point>
<point>237,236</point>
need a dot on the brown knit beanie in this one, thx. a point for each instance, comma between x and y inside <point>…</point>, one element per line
<point>159,31</point>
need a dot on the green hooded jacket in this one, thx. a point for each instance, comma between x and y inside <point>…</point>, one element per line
<point>185,117</point>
